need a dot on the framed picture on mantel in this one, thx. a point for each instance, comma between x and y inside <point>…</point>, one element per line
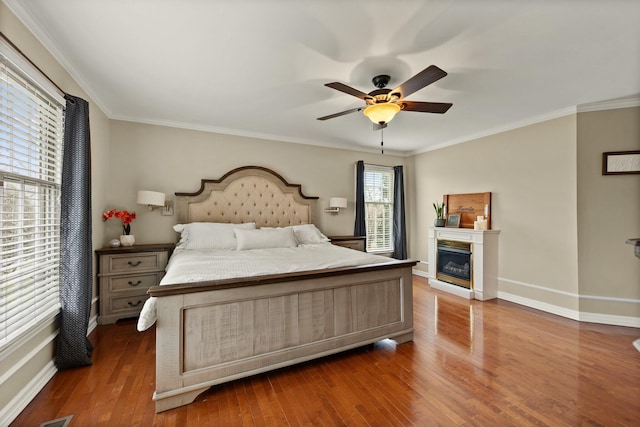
<point>469,207</point>
<point>453,221</point>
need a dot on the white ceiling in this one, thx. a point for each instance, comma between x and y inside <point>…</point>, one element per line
<point>258,67</point>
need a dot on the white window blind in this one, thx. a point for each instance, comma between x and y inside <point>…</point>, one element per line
<point>378,202</point>
<point>31,127</point>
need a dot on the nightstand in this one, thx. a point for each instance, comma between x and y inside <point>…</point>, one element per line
<point>124,276</point>
<point>351,242</point>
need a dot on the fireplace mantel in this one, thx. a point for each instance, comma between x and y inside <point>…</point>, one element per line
<point>484,246</point>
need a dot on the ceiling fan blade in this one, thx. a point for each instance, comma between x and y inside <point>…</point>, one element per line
<point>423,78</point>
<point>348,90</point>
<point>426,107</point>
<point>331,116</point>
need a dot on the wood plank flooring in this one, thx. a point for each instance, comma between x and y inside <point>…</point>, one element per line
<point>471,363</point>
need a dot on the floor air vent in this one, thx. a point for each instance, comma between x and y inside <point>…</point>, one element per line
<point>60,422</point>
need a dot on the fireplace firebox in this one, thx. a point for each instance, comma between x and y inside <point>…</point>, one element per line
<point>454,262</point>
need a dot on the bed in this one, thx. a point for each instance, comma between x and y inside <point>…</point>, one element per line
<point>212,329</point>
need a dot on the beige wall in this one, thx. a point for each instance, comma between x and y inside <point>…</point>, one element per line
<point>563,224</point>
<point>531,173</point>
<point>150,157</point>
<point>608,213</point>
<point>25,366</point>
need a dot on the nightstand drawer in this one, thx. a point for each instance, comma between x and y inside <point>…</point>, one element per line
<point>133,282</point>
<point>129,303</point>
<point>133,262</point>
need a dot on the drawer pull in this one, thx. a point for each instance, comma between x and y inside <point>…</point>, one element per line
<point>136,304</point>
<point>134,264</point>
<point>134,284</point>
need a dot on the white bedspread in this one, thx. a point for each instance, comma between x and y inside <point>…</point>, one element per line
<point>188,266</point>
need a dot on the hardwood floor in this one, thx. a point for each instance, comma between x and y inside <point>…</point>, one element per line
<point>471,363</point>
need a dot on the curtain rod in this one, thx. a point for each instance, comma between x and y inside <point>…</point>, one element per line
<point>62,92</point>
<point>380,166</point>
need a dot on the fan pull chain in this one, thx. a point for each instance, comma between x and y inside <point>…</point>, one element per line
<point>382,138</point>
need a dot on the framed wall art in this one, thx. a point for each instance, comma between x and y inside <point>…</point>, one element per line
<point>620,162</point>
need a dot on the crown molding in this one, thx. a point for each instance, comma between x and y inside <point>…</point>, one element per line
<point>21,11</point>
<point>500,129</point>
<point>609,105</point>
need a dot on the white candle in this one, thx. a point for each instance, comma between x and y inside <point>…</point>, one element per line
<point>480,218</point>
<point>486,210</point>
<point>476,225</point>
<point>444,210</point>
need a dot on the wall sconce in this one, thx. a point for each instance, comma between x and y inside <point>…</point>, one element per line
<point>155,199</point>
<point>335,204</point>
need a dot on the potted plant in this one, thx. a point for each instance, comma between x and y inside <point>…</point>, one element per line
<point>439,208</point>
<point>126,217</point>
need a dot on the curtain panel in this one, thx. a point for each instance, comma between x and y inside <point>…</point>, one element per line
<point>399,227</point>
<point>73,348</point>
<point>360,227</point>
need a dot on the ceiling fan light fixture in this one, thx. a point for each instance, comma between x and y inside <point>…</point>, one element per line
<point>381,113</point>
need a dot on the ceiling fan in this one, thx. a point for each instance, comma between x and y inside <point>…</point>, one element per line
<point>382,104</point>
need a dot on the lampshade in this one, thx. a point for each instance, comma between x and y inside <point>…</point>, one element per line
<point>337,202</point>
<point>381,113</point>
<point>150,198</point>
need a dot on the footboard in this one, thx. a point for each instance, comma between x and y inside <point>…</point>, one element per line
<point>218,335</point>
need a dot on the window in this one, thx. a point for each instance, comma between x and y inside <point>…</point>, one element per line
<point>31,126</point>
<point>378,203</point>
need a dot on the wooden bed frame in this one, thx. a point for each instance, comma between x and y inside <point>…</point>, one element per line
<point>213,332</point>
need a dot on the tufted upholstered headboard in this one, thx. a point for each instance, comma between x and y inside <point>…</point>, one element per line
<point>247,194</point>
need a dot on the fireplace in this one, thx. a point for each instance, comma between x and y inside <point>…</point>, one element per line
<point>478,248</point>
<point>454,262</point>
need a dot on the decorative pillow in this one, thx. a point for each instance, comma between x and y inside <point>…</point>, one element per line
<point>305,233</point>
<point>209,235</point>
<point>309,233</point>
<point>265,238</point>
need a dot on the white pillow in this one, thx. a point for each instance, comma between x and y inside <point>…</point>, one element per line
<point>210,235</point>
<point>265,238</point>
<point>305,233</point>
<point>309,233</point>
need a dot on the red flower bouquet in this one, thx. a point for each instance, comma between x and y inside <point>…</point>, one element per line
<point>125,216</point>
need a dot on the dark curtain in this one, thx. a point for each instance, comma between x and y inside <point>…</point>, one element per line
<point>360,227</point>
<point>399,228</point>
<point>73,348</point>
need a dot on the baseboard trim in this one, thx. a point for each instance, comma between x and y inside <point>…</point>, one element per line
<point>24,360</point>
<point>570,294</point>
<point>539,305</point>
<point>605,319</point>
<point>420,273</point>
<point>23,397</point>
<point>610,319</point>
<point>93,323</point>
<point>602,318</point>
<point>37,383</point>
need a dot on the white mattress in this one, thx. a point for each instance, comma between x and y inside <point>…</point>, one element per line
<point>189,266</point>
